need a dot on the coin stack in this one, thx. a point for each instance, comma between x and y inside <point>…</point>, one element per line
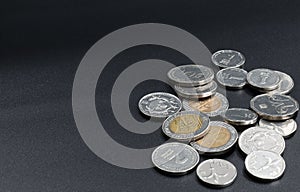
<point>188,120</point>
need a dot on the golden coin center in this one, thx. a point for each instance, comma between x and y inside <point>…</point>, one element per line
<point>208,105</point>
<point>216,137</point>
<point>186,124</point>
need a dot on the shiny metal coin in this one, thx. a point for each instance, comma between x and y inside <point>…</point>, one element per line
<point>286,84</point>
<point>159,104</point>
<point>258,138</point>
<point>228,58</point>
<point>219,139</point>
<point>274,107</point>
<point>284,128</point>
<point>175,157</point>
<point>265,164</point>
<point>232,77</point>
<point>197,92</point>
<point>240,116</point>
<point>263,79</point>
<point>186,125</point>
<point>191,75</point>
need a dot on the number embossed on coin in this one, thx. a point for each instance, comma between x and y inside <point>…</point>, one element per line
<point>284,128</point>
<point>263,79</point>
<point>240,116</point>
<point>232,77</point>
<point>197,92</point>
<point>228,58</point>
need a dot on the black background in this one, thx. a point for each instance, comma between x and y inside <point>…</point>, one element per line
<point>42,44</point>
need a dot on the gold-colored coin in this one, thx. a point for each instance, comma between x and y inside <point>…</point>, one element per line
<point>216,137</point>
<point>207,105</point>
<point>185,124</point>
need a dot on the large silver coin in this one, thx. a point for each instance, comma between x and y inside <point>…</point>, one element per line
<point>257,138</point>
<point>217,172</point>
<point>175,157</point>
<point>159,104</point>
<point>263,79</point>
<point>191,75</point>
<point>228,58</point>
<point>274,107</point>
<point>232,77</point>
<point>240,116</point>
<point>286,84</point>
<point>197,92</point>
<point>284,128</point>
<point>265,164</point>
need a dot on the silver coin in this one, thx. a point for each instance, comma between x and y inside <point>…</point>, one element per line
<point>191,75</point>
<point>240,116</point>
<point>258,138</point>
<point>197,92</point>
<point>286,84</point>
<point>217,172</point>
<point>175,157</point>
<point>220,138</point>
<point>274,107</point>
<point>159,104</point>
<point>265,164</point>
<point>232,77</point>
<point>284,128</point>
<point>228,58</point>
<point>263,79</point>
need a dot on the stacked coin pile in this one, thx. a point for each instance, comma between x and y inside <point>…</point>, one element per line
<point>263,143</point>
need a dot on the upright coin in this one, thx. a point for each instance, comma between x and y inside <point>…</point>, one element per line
<point>240,116</point>
<point>286,84</point>
<point>263,79</point>
<point>232,77</point>
<point>197,92</point>
<point>265,164</point>
<point>159,104</point>
<point>284,128</point>
<point>175,157</point>
<point>228,58</point>
<point>217,172</point>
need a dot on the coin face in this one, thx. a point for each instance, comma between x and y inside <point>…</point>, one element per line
<point>197,92</point>
<point>219,139</point>
<point>286,84</point>
<point>191,75</point>
<point>175,157</point>
<point>159,104</point>
<point>265,164</point>
<point>232,77</point>
<point>228,58</point>
<point>257,138</point>
<point>284,128</point>
<point>217,172</point>
<point>240,116</point>
<point>263,79</point>
<point>186,125</point>
<point>274,107</point>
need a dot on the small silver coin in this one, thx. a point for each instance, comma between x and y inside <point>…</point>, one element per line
<point>197,92</point>
<point>263,79</point>
<point>191,75</point>
<point>232,77</point>
<point>265,164</point>
<point>240,116</point>
<point>284,128</point>
<point>159,104</point>
<point>217,172</point>
<point>286,84</point>
<point>175,157</point>
<point>258,138</point>
<point>275,106</point>
<point>228,58</point>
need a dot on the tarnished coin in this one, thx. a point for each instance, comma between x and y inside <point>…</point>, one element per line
<point>186,125</point>
<point>212,106</point>
<point>232,77</point>
<point>159,104</point>
<point>257,138</point>
<point>286,84</point>
<point>274,107</point>
<point>228,58</point>
<point>175,157</point>
<point>219,139</point>
<point>197,92</point>
<point>240,116</point>
<point>263,79</point>
<point>265,164</point>
<point>284,128</point>
<point>191,75</point>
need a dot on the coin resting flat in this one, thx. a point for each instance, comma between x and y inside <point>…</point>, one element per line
<point>228,58</point>
<point>284,128</point>
<point>197,92</point>
<point>240,116</point>
<point>263,79</point>
<point>232,77</point>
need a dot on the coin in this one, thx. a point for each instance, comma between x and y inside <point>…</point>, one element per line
<point>263,79</point>
<point>219,139</point>
<point>240,116</point>
<point>232,77</point>
<point>159,104</point>
<point>284,128</point>
<point>228,58</point>
<point>274,107</point>
<point>286,84</point>
<point>257,138</point>
<point>186,125</point>
<point>212,106</point>
<point>191,75</point>
<point>197,92</point>
<point>265,164</point>
<point>175,157</point>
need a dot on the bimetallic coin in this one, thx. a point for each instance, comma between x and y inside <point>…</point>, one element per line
<point>286,84</point>
<point>263,79</point>
<point>228,58</point>
<point>265,164</point>
<point>232,77</point>
<point>257,138</point>
<point>175,157</point>
<point>191,75</point>
<point>240,116</point>
<point>219,139</point>
<point>217,172</point>
<point>197,92</point>
<point>186,125</point>
<point>284,128</point>
<point>159,104</point>
<point>275,106</point>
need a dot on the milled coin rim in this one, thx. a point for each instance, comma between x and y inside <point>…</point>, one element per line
<point>214,61</point>
<point>196,95</point>
<point>263,88</point>
<point>240,122</point>
<point>230,85</point>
